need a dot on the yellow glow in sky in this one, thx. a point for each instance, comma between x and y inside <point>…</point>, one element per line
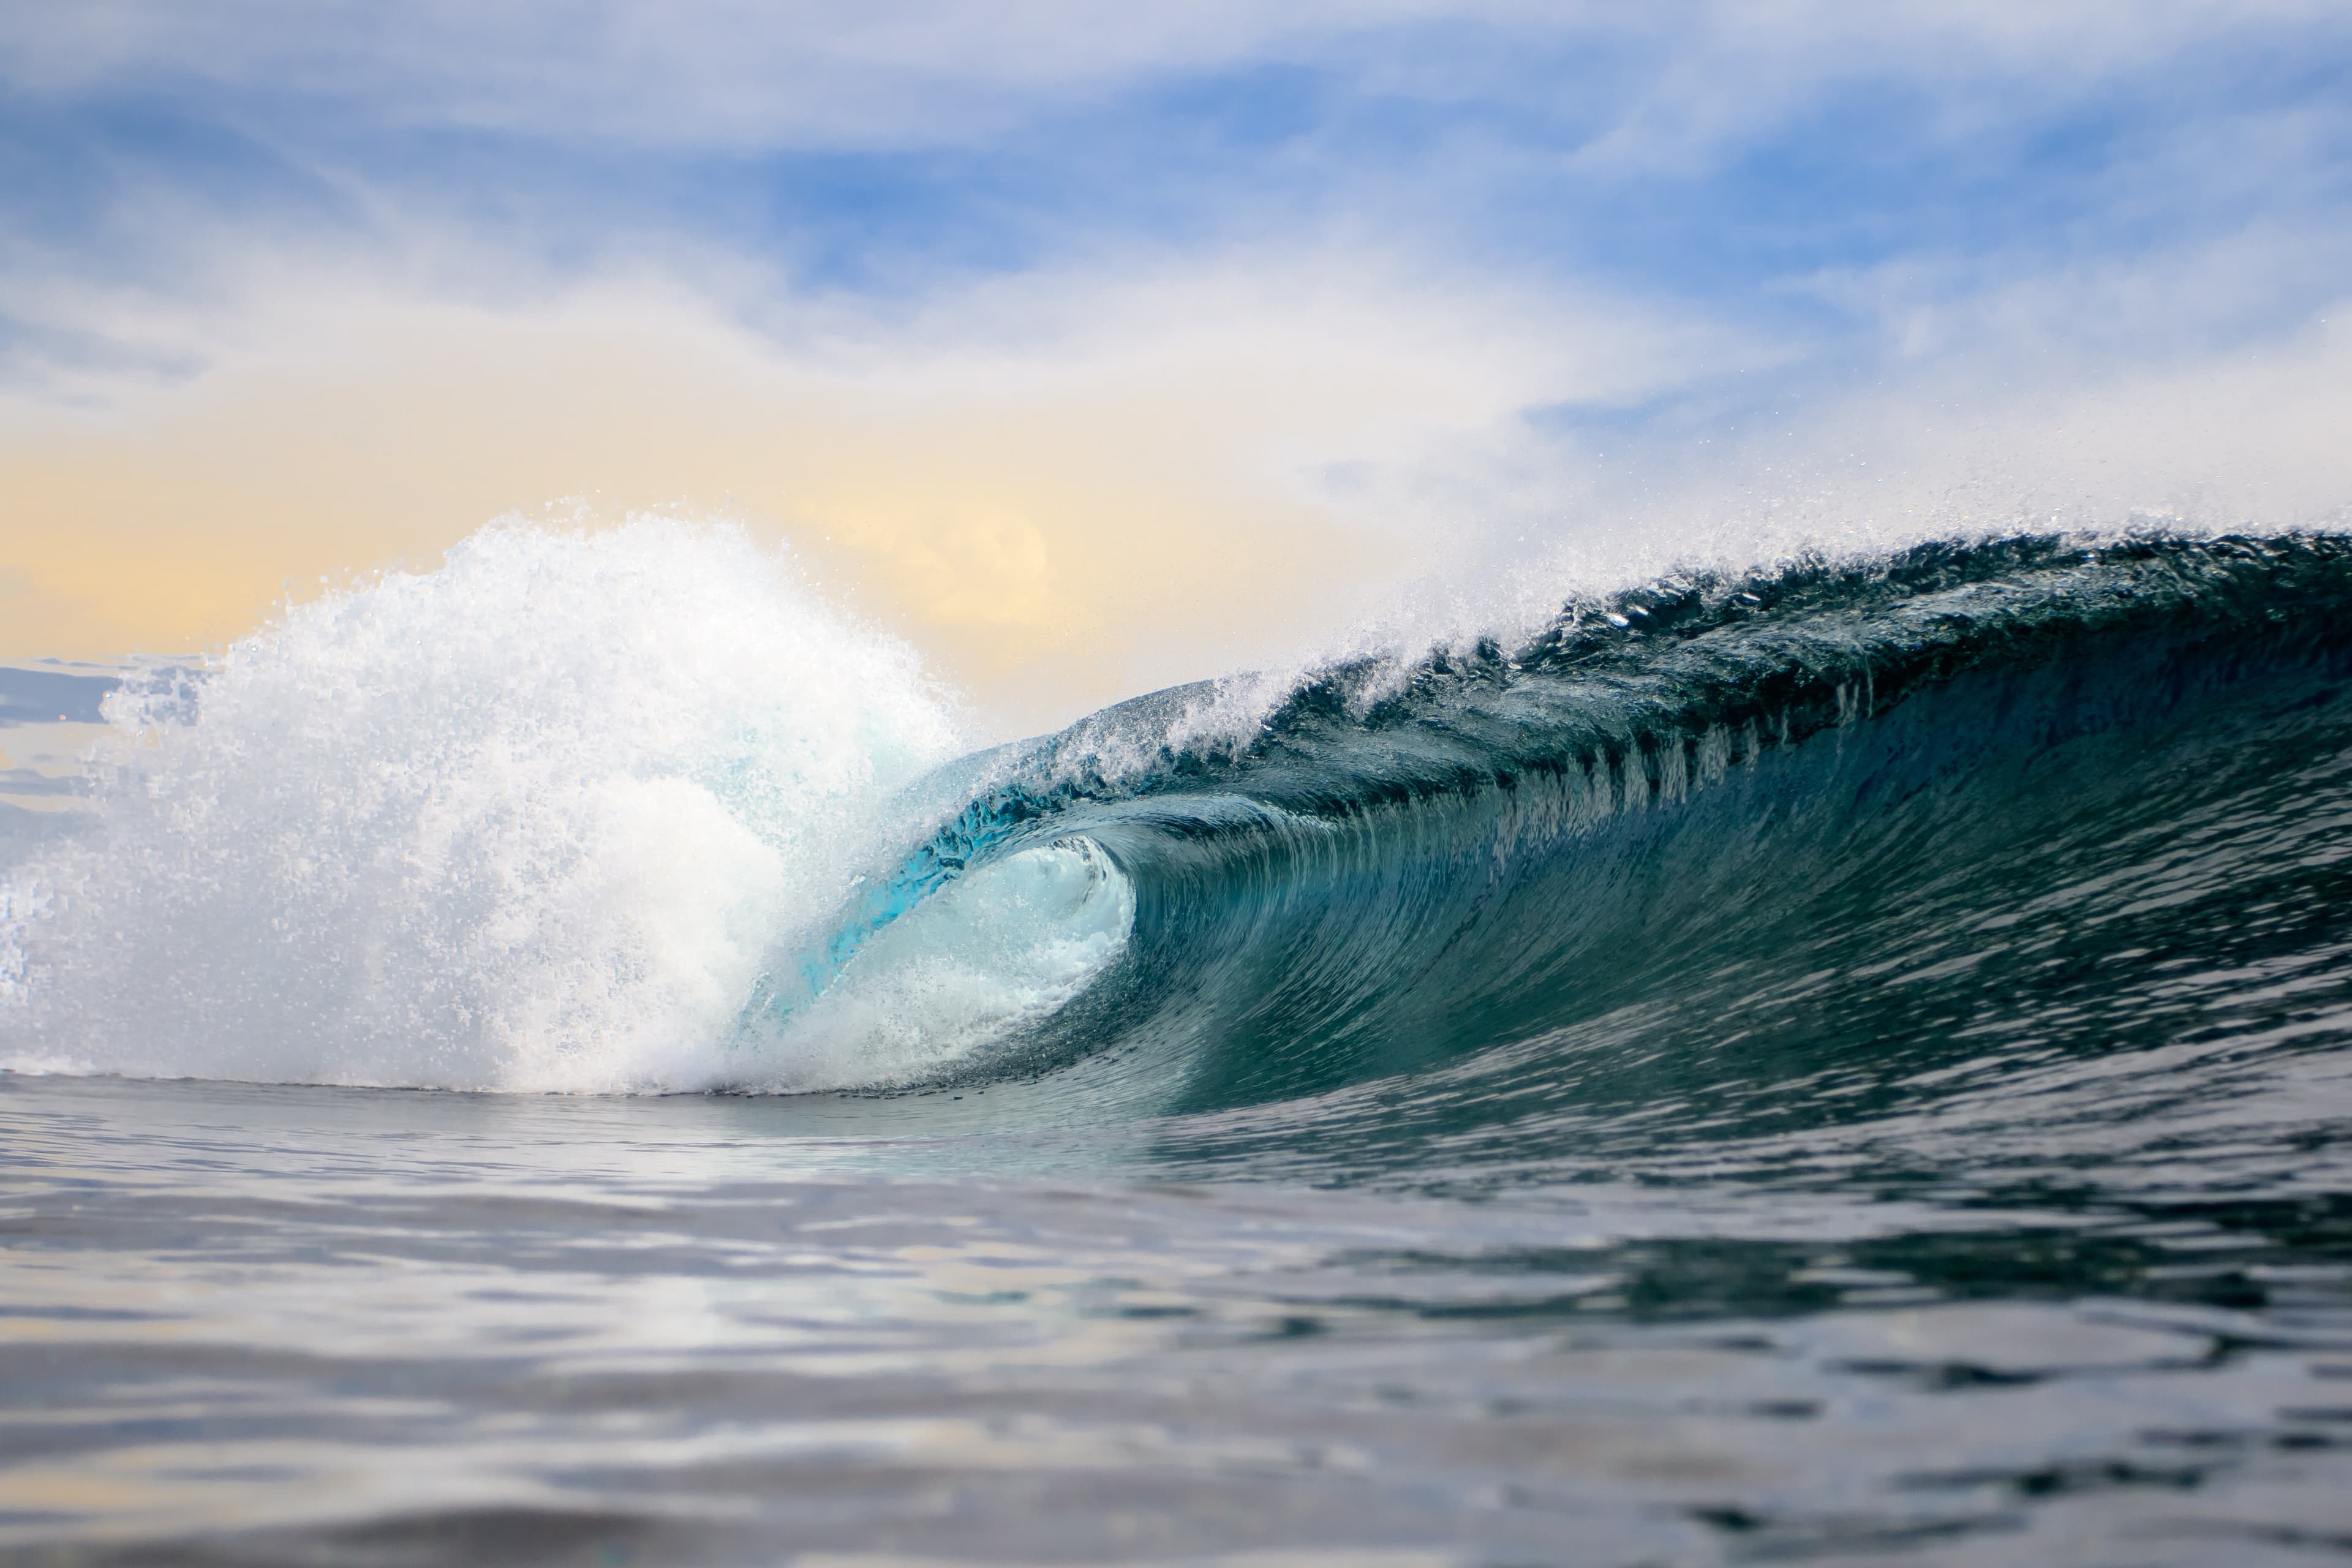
<point>996,521</point>
<point>1062,493</point>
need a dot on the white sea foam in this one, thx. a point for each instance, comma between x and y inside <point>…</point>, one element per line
<point>535,820</point>
<point>1005,945</point>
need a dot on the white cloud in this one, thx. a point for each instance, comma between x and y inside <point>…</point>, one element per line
<point>2075,316</point>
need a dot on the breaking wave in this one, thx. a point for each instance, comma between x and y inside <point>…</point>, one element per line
<point>636,812</point>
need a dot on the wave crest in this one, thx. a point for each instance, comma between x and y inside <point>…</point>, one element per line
<point>530,821</point>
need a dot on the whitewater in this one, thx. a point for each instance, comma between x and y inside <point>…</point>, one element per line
<point>531,822</point>
<point>577,1055</point>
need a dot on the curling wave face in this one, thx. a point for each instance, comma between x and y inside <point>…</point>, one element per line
<point>1822,842</point>
<point>635,813</point>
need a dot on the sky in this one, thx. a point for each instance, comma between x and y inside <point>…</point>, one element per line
<point>1097,348</point>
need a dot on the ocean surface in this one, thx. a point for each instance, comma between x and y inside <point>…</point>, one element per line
<point>568,1059</point>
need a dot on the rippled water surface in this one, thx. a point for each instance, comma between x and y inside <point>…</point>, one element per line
<point>249,1324</point>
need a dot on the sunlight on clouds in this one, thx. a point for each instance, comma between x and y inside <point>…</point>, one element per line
<point>1066,490</point>
<point>964,565</point>
<point>1123,466</point>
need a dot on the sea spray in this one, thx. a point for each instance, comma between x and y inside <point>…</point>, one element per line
<point>533,820</point>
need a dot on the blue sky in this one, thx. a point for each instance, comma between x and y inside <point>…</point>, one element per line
<point>1713,219</point>
<point>1685,153</point>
